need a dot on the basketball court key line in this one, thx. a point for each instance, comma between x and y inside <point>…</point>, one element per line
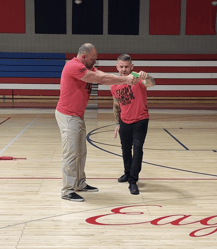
<point>153,164</point>
<point>176,139</point>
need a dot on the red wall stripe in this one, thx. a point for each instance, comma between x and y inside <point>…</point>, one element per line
<point>69,56</point>
<point>186,82</point>
<point>104,93</point>
<point>12,16</point>
<point>164,69</point>
<point>107,93</point>
<point>36,92</point>
<point>5,92</point>
<point>182,93</point>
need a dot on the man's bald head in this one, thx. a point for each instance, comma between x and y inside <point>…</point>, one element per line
<point>86,48</point>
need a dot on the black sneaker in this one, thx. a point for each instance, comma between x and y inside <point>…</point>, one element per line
<point>134,189</point>
<point>123,178</point>
<point>73,197</point>
<point>89,188</point>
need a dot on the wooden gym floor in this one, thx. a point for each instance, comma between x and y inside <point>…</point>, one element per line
<point>176,207</point>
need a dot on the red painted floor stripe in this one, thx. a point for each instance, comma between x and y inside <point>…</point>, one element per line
<point>5,120</point>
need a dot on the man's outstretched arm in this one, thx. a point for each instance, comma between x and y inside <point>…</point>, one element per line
<point>108,79</point>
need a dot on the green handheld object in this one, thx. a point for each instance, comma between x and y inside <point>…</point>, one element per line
<point>135,74</point>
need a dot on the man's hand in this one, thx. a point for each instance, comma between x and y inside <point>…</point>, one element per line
<point>131,80</point>
<point>143,75</point>
<point>116,131</point>
<point>147,80</point>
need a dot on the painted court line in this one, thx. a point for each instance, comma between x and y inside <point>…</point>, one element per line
<point>5,120</point>
<point>176,139</point>
<point>15,138</point>
<point>153,164</point>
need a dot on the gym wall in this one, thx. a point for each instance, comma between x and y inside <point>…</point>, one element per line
<point>154,28</point>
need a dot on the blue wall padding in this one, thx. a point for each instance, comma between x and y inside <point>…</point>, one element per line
<point>31,68</point>
<point>31,62</point>
<point>31,74</point>
<point>31,65</point>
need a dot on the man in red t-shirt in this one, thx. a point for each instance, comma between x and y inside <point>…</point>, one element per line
<point>131,112</point>
<point>75,87</point>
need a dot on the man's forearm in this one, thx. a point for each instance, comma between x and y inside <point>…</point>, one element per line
<point>117,111</point>
<point>108,79</point>
<point>112,79</point>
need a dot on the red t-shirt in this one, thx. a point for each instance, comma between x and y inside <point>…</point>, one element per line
<point>132,100</point>
<point>74,93</point>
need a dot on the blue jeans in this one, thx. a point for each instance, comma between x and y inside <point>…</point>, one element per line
<point>133,135</point>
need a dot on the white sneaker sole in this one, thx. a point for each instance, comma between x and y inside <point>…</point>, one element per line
<point>71,199</point>
<point>89,190</point>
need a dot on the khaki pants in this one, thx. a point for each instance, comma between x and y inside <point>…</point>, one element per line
<point>73,135</point>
